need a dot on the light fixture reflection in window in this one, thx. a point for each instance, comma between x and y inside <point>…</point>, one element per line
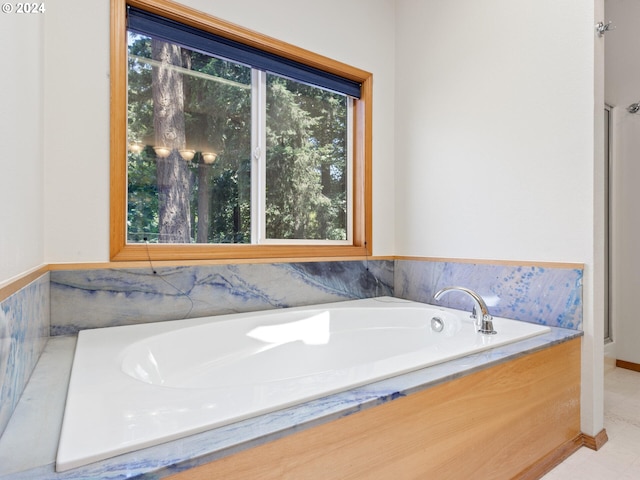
<point>187,154</point>
<point>136,147</point>
<point>162,152</point>
<point>209,157</point>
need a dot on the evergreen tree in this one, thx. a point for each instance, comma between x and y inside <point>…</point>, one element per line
<point>186,100</point>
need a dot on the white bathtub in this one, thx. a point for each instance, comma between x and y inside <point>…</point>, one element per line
<point>137,386</point>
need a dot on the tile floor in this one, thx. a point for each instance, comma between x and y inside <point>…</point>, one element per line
<point>619,458</point>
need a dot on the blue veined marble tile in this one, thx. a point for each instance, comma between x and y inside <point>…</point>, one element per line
<point>548,296</point>
<point>107,297</point>
<point>24,329</point>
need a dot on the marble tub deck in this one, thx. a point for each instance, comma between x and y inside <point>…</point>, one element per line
<point>28,445</point>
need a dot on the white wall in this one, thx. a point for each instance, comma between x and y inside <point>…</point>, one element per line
<point>358,32</point>
<point>495,142</point>
<point>21,161</point>
<point>497,101</point>
<point>622,89</point>
<point>77,131</point>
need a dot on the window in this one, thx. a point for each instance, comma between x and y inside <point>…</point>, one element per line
<point>229,144</point>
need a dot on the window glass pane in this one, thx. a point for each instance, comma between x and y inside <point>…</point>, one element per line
<point>306,162</point>
<point>189,136</point>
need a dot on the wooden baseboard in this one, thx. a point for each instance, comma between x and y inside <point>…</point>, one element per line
<point>595,443</point>
<point>552,459</point>
<point>560,454</point>
<point>628,365</point>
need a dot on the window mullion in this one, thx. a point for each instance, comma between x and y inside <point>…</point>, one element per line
<point>350,168</point>
<point>259,148</point>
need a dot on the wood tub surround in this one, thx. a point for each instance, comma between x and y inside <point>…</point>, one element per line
<point>517,419</point>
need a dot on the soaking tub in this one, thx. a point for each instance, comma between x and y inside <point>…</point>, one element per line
<point>137,386</point>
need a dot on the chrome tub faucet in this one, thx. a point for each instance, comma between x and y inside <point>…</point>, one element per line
<point>480,311</point>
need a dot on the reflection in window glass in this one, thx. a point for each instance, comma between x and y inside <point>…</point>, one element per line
<point>189,129</point>
<point>190,152</point>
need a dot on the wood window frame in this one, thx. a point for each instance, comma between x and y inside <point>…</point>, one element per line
<point>120,250</point>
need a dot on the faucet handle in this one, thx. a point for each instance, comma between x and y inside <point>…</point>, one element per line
<point>474,315</point>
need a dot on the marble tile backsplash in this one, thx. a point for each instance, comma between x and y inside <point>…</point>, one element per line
<point>24,329</point>
<point>548,296</point>
<point>108,297</point>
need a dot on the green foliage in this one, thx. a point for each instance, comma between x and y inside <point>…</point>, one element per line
<point>306,162</point>
<point>306,153</point>
<point>228,216</point>
<point>142,214</point>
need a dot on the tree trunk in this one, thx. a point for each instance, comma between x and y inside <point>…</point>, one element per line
<point>204,194</point>
<point>174,222</point>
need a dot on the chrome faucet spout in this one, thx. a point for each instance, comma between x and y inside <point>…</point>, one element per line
<point>480,311</point>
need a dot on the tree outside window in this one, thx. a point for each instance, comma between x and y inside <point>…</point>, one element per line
<point>192,123</point>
